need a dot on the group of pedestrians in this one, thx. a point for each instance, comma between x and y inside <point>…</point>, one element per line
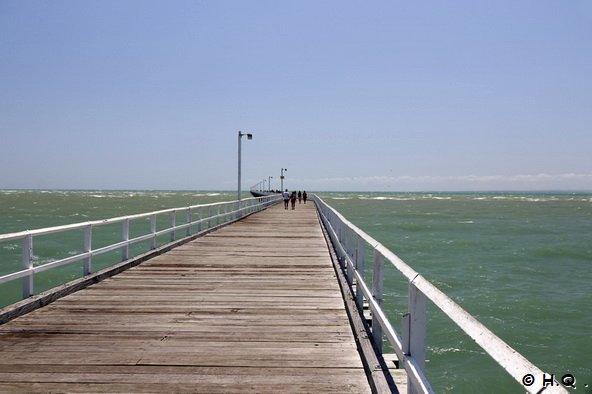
<point>291,198</point>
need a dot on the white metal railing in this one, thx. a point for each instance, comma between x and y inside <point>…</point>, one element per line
<point>351,245</point>
<point>198,219</point>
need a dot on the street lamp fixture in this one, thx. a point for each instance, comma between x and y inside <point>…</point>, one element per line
<point>249,137</point>
<point>282,179</point>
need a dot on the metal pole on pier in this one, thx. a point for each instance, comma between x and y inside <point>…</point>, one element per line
<point>269,182</point>
<point>282,179</point>
<point>249,137</point>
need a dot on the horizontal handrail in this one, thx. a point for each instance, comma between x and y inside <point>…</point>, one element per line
<point>77,226</point>
<point>217,214</point>
<point>350,244</point>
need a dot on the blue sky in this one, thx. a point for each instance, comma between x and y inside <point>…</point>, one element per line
<point>374,96</point>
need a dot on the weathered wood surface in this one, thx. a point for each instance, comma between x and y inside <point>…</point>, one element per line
<point>252,307</point>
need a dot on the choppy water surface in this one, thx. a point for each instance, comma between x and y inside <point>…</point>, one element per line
<point>520,263</point>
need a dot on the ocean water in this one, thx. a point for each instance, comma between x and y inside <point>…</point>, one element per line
<point>518,262</point>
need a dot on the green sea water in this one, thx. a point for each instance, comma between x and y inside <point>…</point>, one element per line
<point>520,263</point>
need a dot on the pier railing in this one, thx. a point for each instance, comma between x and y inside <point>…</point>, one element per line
<point>189,221</point>
<point>351,245</point>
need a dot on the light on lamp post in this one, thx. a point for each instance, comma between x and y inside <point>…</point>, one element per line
<point>249,137</point>
<point>282,179</point>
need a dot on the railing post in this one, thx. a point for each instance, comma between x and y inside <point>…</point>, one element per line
<point>173,224</point>
<point>218,215</point>
<point>360,267</point>
<point>27,260</point>
<point>209,217</point>
<point>414,330</point>
<point>198,222</point>
<point>417,324</point>
<point>153,231</point>
<point>87,266</point>
<point>339,229</point>
<point>349,254</point>
<point>189,221</point>
<point>125,234</point>
<point>377,292</point>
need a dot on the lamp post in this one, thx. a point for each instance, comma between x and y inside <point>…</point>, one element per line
<point>282,179</point>
<point>249,137</point>
<point>269,182</point>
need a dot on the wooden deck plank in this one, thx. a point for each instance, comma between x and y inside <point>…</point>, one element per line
<point>254,306</point>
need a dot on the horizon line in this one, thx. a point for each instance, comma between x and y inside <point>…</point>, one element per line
<point>563,191</point>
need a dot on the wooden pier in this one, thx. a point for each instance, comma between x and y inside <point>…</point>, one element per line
<point>252,307</point>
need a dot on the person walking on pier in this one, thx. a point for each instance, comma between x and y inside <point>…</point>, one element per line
<point>293,200</point>
<point>286,197</point>
<point>304,196</point>
<point>299,197</point>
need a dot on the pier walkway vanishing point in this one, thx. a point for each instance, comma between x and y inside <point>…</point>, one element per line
<point>252,307</point>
